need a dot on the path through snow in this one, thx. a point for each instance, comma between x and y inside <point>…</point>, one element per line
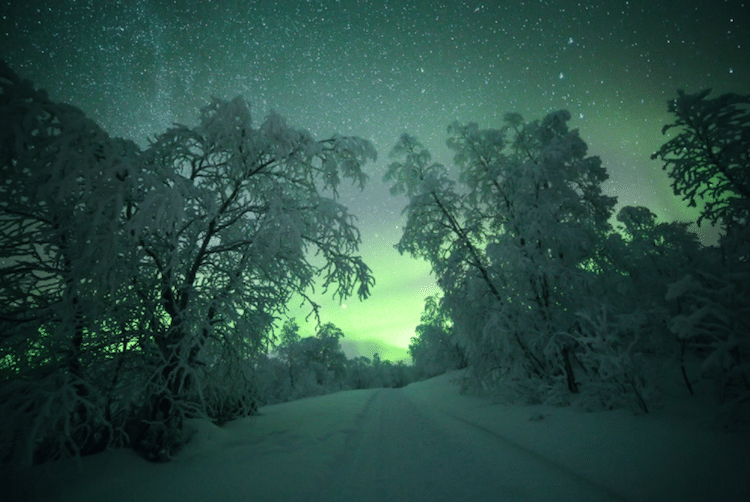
<point>422,442</point>
<point>403,450</point>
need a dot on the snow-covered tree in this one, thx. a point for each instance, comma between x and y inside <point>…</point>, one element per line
<point>607,348</point>
<point>713,324</point>
<point>139,287</point>
<point>709,164</point>
<point>513,249</point>
<point>226,232</point>
<point>329,352</point>
<point>359,372</point>
<point>64,272</point>
<point>643,258</point>
<point>316,364</point>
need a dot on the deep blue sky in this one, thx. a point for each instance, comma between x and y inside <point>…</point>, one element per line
<point>379,68</point>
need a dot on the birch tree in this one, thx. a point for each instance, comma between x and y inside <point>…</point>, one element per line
<point>64,270</point>
<point>511,248</point>
<point>138,286</point>
<point>227,233</point>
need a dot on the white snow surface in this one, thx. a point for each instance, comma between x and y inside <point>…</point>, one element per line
<point>423,442</point>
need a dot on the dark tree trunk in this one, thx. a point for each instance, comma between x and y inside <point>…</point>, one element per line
<point>572,385</point>
<point>157,428</point>
<point>157,431</point>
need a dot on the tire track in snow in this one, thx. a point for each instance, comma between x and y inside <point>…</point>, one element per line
<point>405,450</point>
<point>353,439</point>
<point>399,454</point>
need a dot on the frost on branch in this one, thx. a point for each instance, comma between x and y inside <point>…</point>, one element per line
<point>253,213</point>
<point>140,288</point>
<point>509,247</point>
<point>709,165</point>
<point>713,322</point>
<point>63,269</point>
<point>613,365</point>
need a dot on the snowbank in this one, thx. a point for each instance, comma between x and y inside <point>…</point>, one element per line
<point>270,456</point>
<point>671,454</point>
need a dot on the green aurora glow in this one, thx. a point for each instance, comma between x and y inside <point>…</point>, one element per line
<point>376,69</point>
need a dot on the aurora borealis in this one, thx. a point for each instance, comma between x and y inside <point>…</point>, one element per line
<point>376,69</point>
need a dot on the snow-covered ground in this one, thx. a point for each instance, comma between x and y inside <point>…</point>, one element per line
<point>422,442</point>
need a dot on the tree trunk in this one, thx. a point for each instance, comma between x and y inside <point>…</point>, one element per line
<point>572,385</point>
<point>157,429</point>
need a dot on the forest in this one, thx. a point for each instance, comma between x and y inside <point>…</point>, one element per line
<point>140,287</point>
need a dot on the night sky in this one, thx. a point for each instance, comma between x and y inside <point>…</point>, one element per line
<point>376,69</point>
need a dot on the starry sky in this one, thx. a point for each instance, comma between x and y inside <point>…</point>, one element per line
<point>378,68</point>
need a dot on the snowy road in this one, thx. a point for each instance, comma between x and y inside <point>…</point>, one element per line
<point>403,450</point>
<point>425,442</point>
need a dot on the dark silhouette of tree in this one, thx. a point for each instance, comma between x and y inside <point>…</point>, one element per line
<point>709,158</point>
<point>509,247</point>
<point>709,164</point>
<point>138,286</point>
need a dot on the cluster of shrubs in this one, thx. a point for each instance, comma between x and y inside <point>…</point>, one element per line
<point>300,367</point>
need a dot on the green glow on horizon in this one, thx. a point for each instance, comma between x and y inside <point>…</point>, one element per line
<point>392,311</point>
<point>379,69</point>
